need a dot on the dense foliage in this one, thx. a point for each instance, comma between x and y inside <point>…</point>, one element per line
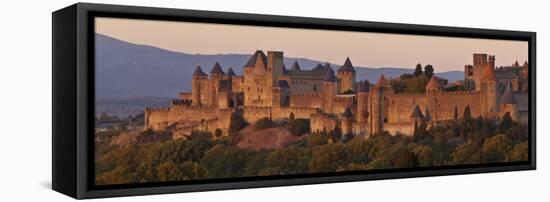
<point>461,141</point>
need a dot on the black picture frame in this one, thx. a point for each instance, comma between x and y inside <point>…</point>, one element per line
<point>73,99</point>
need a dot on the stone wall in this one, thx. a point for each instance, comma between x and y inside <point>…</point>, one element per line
<point>322,122</point>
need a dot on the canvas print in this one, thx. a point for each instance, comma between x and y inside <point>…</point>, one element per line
<point>186,101</point>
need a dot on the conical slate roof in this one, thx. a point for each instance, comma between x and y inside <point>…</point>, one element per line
<point>282,84</point>
<point>252,61</point>
<point>230,72</point>
<point>327,67</point>
<point>329,76</point>
<point>382,81</point>
<point>416,113</point>
<point>434,84</point>
<point>295,66</point>
<point>488,74</point>
<point>508,96</point>
<point>516,64</point>
<point>198,72</point>
<point>319,66</point>
<point>363,86</point>
<point>428,116</point>
<point>347,66</point>
<point>217,69</point>
<point>347,113</point>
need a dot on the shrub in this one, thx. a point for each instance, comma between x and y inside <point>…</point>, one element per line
<point>299,126</point>
<point>237,122</point>
<point>263,123</point>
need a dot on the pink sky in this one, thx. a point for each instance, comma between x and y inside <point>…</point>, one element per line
<point>364,48</point>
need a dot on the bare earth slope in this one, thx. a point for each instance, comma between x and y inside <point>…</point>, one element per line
<point>271,138</point>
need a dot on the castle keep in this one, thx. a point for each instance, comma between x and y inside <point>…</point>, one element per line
<point>330,98</point>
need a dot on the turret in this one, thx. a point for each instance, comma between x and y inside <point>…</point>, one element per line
<point>198,75</point>
<point>295,66</point>
<point>231,73</point>
<point>346,77</point>
<point>362,101</point>
<point>378,95</point>
<point>328,90</point>
<point>488,88</point>
<point>216,75</point>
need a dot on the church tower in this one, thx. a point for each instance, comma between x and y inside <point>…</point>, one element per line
<point>346,77</point>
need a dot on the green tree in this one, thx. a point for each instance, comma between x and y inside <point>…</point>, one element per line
<point>467,115</point>
<point>418,70</point>
<point>520,152</point>
<point>223,161</point>
<point>263,123</point>
<point>169,171</point>
<point>218,132</point>
<point>327,158</point>
<point>496,148</point>
<point>506,121</point>
<point>423,153</point>
<point>428,71</point>
<point>400,156</point>
<point>193,171</point>
<point>299,126</point>
<point>467,153</point>
<point>289,160</point>
<point>336,133</point>
<point>237,122</point>
<point>456,113</point>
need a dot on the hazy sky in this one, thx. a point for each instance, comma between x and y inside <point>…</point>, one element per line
<point>364,49</point>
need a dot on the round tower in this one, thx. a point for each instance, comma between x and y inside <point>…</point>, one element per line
<point>216,75</point>
<point>362,101</point>
<point>198,75</point>
<point>489,89</point>
<point>346,77</point>
<point>328,90</point>
<point>379,104</point>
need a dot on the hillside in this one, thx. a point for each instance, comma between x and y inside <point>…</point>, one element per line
<point>126,70</point>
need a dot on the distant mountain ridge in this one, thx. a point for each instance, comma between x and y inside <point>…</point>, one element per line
<point>125,70</point>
